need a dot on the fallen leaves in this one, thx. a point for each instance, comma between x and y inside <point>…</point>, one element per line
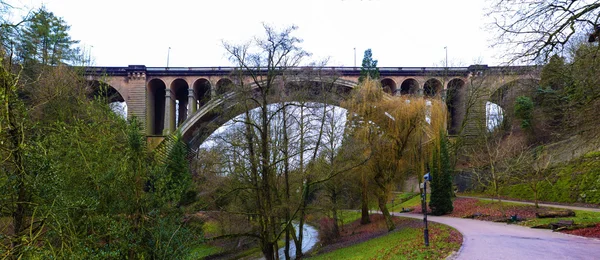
<point>586,232</point>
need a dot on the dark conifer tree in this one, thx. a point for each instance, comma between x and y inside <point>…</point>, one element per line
<point>369,67</point>
<point>45,41</point>
<point>441,184</point>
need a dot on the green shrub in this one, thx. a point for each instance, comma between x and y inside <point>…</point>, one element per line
<point>524,111</point>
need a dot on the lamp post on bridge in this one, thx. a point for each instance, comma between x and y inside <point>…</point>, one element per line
<point>446,49</point>
<point>354,57</point>
<point>168,54</point>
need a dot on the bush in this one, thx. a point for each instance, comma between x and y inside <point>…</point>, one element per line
<point>524,111</point>
<point>327,232</point>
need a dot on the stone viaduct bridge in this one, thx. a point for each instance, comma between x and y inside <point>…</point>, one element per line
<point>168,98</point>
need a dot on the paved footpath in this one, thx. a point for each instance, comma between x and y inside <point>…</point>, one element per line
<point>540,204</point>
<point>490,240</point>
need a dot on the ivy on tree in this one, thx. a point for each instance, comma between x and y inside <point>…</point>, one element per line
<point>369,67</point>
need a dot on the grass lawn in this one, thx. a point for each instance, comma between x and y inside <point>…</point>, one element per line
<point>404,243</point>
<point>348,216</point>
<point>400,199</point>
<point>203,251</point>
<point>409,200</point>
<point>581,217</point>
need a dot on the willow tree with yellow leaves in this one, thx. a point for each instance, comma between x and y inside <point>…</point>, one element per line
<point>400,132</point>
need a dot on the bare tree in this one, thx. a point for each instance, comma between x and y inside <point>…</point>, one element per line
<point>497,158</point>
<point>281,131</point>
<point>535,172</point>
<point>534,30</point>
<point>264,60</point>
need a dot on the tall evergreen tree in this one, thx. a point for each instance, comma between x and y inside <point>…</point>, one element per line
<point>369,67</point>
<point>434,172</point>
<point>446,170</point>
<point>45,40</point>
<point>441,185</point>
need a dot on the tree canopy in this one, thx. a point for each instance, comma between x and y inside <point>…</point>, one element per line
<point>44,39</point>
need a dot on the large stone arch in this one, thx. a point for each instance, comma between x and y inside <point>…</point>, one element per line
<point>432,87</point>
<point>155,106</point>
<point>389,86</point>
<point>505,95</point>
<point>179,100</point>
<point>210,116</point>
<point>456,95</point>
<point>105,90</point>
<point>223,86</point>
<point>409,86</point>
<point>202,92</point>
<point>109,94</point>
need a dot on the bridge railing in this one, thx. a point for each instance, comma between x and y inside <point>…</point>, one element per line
<point>223,70</point>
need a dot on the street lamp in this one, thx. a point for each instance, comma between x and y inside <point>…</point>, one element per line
<point>426,178</point>
<point>168,54</point>
<point>446,49</point>
<point>354,57</point>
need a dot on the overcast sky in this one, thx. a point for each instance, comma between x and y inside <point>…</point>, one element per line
<point>399,32</point>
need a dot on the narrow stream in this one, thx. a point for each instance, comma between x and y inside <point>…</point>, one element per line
<point>311,237</point>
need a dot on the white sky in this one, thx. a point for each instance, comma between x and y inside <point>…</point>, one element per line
<point>399,32</point>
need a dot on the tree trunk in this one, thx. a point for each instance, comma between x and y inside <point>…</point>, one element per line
<point>305,191</point>
<point>267,249</point>
<point>287,183</point>
<point>386,213</point>
<point>364,219</point>
<point>304,188</point>
<point>336,228</point>
<point>556,214</point>
<point>535,197</point>
<point>15,136</point>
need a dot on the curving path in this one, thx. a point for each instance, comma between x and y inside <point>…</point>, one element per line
<point>490,240</point>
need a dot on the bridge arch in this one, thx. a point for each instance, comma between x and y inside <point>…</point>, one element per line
<point>505,95</point>
<point>409,86</point>
<point>432,87</point>
<point>389,86</point>
<point>109,94</point>
<point>105,90</point>
<point>198,127</point>
<point>202,89</point>
<point>155,106</point>
<point>179,101</point>
<point>223,86</point>
<point>455,101</point>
